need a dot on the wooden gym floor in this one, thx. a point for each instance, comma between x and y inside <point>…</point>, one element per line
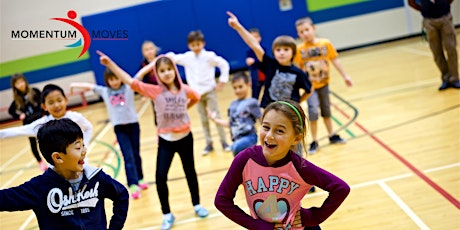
<point>402,158</point>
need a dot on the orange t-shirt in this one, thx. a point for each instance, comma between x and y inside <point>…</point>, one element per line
<point>314,58</point>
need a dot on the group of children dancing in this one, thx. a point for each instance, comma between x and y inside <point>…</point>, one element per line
<point>274,175</point>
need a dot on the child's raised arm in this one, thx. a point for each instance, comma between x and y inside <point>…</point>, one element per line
<point>146,69</point>
<point>250,40</point>
<point>82,85</point>
<point>119,72</point>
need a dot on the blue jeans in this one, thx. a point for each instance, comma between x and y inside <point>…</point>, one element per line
<point>243,142</point>
<point>128,137</point>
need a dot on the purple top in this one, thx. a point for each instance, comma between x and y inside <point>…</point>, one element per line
<point>311,174</point>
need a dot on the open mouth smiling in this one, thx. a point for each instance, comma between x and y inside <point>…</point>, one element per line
<point>270,146</point>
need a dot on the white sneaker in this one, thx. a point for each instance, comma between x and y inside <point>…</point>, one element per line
<point>167,222</point>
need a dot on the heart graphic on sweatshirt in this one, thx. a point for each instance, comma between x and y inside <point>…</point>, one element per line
<point>272,209</point>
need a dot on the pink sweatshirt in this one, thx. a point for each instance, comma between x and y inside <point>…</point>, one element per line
<point>170,107</point>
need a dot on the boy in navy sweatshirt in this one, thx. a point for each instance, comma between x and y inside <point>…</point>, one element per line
<point>69,195</point>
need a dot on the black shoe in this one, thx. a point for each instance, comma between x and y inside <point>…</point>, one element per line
<point>455,84</point>
<point>444,85</point>
<point>335,139</point>
<point>313,147</point>
<point>207,150</point>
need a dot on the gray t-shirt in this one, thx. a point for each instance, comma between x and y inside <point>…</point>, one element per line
<point>119,103</point>
<point>243,115</point>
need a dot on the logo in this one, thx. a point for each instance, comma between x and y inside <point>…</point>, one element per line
<point>86,38</point>
<point>83,40</point>
<point>58,201</point>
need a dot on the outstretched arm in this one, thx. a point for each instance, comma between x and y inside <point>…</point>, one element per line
<point>245,35</point>
<point>106,61</point>
<point>212,115</point>
<point>82,85</point>
<point>345,76</point>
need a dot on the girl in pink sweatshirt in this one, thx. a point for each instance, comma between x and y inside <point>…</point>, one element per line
<point>171,99</point>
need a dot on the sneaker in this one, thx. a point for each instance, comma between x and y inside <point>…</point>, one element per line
<point>207,150</point>
<point>135,193</point>
<point>313,147</point>
<point>201,211</point>
<point>42,165</point>
<point>143,185</point>
<point>335,139</point>
<point>167,222</point>
<point>226,147</point>
<point>444,85</point>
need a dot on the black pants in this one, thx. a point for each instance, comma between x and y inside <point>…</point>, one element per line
<point>166,152</point>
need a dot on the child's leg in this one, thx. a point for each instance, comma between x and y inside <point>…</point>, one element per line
<point>185,150</point>
<point>244,142</point>
<point>135,143</point>
<point>313,105</point>
<point>201,107</point>
<point>166,151</point>
<point>34,148</point>
<point>328,124</point>
<point>325,105</point>
<point>123,137</point>
<point>214,106</point>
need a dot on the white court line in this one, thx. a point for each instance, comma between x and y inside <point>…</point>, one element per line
<point>24,225</point>
<point>416,51</point>
<point>391,89</point>
<point>14,158</point>
<point>15,176</point>
<point>101,134</point>
<point>404,206</point>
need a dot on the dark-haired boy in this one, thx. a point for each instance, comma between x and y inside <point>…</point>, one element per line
<point>71,194</point>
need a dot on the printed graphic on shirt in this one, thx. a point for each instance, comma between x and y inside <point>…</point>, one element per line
<point>117,99</point>
<point>282,85</point>
<point>272,209</point>
<point>83,200</point>
<point>241,121</point>
<point>317,70</point>
<point>174,108</point>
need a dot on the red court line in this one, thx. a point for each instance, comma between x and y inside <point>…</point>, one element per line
<point>417,172</point>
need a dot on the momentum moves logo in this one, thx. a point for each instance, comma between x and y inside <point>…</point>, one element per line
<point>84,40</point>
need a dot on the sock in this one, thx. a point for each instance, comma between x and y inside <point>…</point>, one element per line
<point>133,188</point>
<point>197,207</point>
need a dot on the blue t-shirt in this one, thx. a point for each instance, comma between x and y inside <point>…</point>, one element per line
<point>243,115</point>
<point>282,82</point>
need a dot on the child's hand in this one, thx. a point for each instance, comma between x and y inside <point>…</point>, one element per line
<point>296,224</point>
<point>211,115</point>
<point>348,81</point>
<point>250,61</point>
<point>220,86</point>
<point>233,20</point>
<point>22,116</point>
<point>104,59</point>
